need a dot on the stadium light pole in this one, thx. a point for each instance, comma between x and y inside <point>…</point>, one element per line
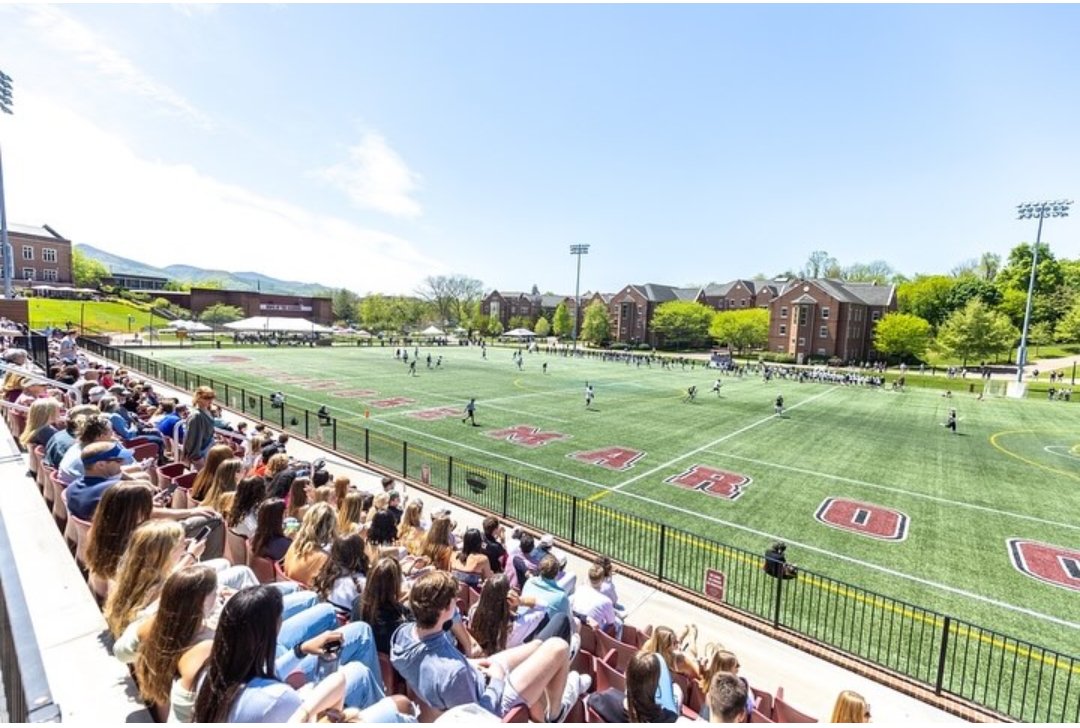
<point>1029,211</point>
<point>6,103</point>
<point>578,250</point>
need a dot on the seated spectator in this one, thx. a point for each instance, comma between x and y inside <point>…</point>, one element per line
<point>393,505</point>
<point>436,548</point>
<point>591,606</point>
<point>850,707</point>
<point>279,475</point>
<point>269,540</point>
<point>545,589</point>
<point>241,684</point>
<point>471,565</point>
<point>520,567</point>
<point>242,518</point>
<point>726,699</point>
<point>718,660</point>
<point>42,423</point>
<point>297,499</point>
<point>124,431</point>
<point>493,544</point>
<point>59,443</point>
<point>308,551</point>
<point>166,417</point>
<point>226,478</point>
<point>349,513</point>
<point>95,428</point>
<point>103,467</point>
<point>411,530</point>
<point>122,509</point>
<point>607,587</point>
<point>644,702</point>
<point>382,536</point>
<point>342,487</point>
<point>502,619</point>
<point>215,456</point>
<point>381,602</point>
<point>664,643</point>
<point>536,674</point>
<point>155,549</point>
<point>341,580</point>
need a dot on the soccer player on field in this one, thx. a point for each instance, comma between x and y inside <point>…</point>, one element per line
<point>470,412</point>
<point>588,395</point>
<point>691,394</point>
<point>716,387</point>
<point>779,408</point>
<point>950,423</point>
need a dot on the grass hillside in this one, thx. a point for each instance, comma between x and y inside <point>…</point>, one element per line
<point>103,316</point>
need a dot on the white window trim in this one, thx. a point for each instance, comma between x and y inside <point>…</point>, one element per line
<point>783,312</point>
<point>28,249</point>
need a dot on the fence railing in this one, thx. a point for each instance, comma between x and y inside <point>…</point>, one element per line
<point>26,686</point>
<point>1010,676</point>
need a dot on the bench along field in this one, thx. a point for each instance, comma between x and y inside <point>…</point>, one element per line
<point>865,485</point>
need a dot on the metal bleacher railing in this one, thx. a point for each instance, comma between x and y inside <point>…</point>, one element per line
<point>998,673</point>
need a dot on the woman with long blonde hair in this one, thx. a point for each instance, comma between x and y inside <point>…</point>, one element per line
<point>850,707</point>
<point>41,422</point>
<point>205,477</point>
<point>349,513</point>
<point>307,554</point>
<point>664,643</point>
<point>154,551</point>
<point>411,531</point>
<point>718,660</point>
<point>436,547</point>
<point>226,478</point>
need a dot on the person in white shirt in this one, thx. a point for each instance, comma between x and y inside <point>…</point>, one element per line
<point>592,606</point>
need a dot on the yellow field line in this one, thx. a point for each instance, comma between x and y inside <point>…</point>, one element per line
<point>1021,458</point>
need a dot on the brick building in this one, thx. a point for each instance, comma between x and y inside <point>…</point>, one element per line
<point>825,319</point>
<point>254,303</point>
<point>739,294</point>
<point>504,305</point>
<point>40,254</point>
<point>631,310</point>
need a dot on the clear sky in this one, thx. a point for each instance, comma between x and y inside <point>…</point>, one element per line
<point>686,144</point>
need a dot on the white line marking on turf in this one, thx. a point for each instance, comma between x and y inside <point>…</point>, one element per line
<point>860,562</point>
<point>892,489</point>
<point>715,442</point>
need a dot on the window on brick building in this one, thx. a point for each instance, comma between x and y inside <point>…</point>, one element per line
<point>28,252</point>
<point>874,316</point>
<point>802,341</point>
<point>825,312</point>
<point>48,255</point>
<point>783,312</point>
<point>28,274</point>
<point>823,333</point>
<point>783,329</point>
<point>50,274</point>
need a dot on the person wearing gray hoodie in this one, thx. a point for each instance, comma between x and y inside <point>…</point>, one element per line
<point>536,674</point>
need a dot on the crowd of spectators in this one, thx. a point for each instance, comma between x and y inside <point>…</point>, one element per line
<point>338,604</point>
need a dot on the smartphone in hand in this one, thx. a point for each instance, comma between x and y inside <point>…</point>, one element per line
<point>203,533</point>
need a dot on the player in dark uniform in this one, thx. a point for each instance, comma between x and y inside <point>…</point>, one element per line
<point>691,394</point>
<point>470,412</point>
<point>950,423</point>
<point>588,395</point>
<point>412,368</point>
<point>779,408</point>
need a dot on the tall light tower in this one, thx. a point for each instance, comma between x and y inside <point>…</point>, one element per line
<point>1028,211</point>
<point>5,246</point>
<point>578,250</point>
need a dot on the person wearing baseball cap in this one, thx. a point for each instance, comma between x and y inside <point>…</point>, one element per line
<point>103,468</point>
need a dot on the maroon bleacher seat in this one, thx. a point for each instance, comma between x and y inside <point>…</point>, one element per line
<point>784,713</point>
<point>608,677</point>
<point>623,652</point>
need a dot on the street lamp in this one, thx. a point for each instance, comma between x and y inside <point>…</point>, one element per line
<point>131,320</point>
<point>9,263</point>
<point>578,250</point>
<point>1029,211</point>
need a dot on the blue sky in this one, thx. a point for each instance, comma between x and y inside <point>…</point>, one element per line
<point>686,144</point>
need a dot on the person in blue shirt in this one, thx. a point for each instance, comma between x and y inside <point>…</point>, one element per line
<point>167,424</point>
<point>111,409</point>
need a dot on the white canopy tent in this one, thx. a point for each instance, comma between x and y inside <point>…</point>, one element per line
<point>433,331</point>
<point>284,324</point>
<point>185,325</point>
<point>518,333</point>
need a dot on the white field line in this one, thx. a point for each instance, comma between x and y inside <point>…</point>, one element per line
<point>902,491</point>
<point>715,442</point>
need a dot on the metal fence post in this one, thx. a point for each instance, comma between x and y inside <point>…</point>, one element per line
<point>450,475</point>
<point>333,432</point>
<point>243,400</point>
<point>307,425</point>
<point>506,492</point>
<point>941,657</point>
<point>776,604</point>
<point>282,410</point>
<point>660,554</point>
<point>261,408</point>
<point>227,400</point>
<point>404,458</point>
<point>573,521</point>
<point>367,445</point>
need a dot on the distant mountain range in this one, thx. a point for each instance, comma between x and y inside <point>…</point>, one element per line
<point>243,281</point>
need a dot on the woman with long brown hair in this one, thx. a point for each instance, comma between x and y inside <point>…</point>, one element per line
<point>471,565</point>
<point>242,518</point>
<point>850,707</point>
<point>205,477</point>
<point>341,580</point>
<point>226,477</point>
<point>382,602</point>
<point>644,675</point>
<point>187,598</point>
<point>156,548</point>
<point>123,508</point>
<point>436,547</point>
<point>269,540</point>
<point>297,501</point>
<point>491,617</point>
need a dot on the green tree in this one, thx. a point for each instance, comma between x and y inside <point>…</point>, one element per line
<point>819,264</point>
<point>596,326</point>
<point>375,313</point>
<point>1068,328</point>
<point>877,271</point>
<point>343,305</point>
<point>520,322</point>
<point>1016,273</point>
<point>219,314</point>
<point>85,271</point>
<point>682,322</point>
<point>1041,334</point>
<point>542,328</point>
<point>741,329</point>
<point>902,335</point>
<point>562,324</point>
<point>975,332</point>
<point>989,265</point>
<point>494,327</point>
<point>177,285</point>
<point>927,296</point>
<point>451,296</point>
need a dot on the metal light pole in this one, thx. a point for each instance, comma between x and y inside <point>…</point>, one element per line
<point>578,250</point>
<point>1028,211</point>
<point>9,263</point>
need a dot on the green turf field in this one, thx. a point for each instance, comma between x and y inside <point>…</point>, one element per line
<point>1011,472</point>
